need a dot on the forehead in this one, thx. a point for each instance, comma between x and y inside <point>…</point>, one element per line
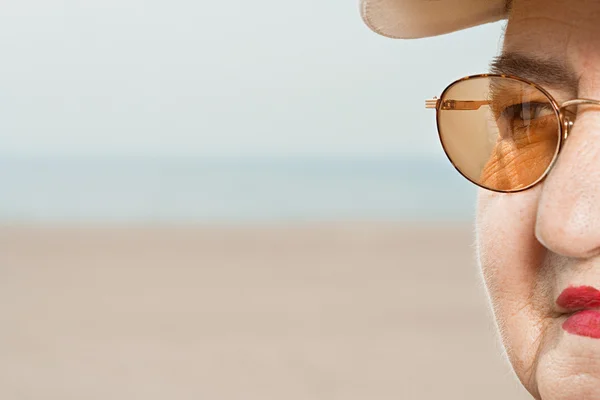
<point>556,28</point>
<point>557,32</point>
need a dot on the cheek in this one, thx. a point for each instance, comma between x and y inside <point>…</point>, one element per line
<point>510,259</point>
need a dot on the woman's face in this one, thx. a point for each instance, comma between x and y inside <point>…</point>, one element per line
<point>535,244</point>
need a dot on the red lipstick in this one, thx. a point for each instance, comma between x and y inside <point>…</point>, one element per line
<point>573,298</point>
<point>584,323</point>
<point>581,300</point>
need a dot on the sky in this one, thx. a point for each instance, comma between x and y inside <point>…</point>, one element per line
<point>226,79</point>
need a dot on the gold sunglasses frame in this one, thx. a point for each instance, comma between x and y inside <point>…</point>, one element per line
<point>565,122</point>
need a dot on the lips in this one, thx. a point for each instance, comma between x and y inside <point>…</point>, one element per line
<point>574,298</point>
<point>584,323</point>
<point>582,303</point>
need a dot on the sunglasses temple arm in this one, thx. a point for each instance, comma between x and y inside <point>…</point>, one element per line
<point>459,105</point>
<point>432,103</point>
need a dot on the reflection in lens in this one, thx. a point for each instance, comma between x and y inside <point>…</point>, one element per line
<point>500,133</point>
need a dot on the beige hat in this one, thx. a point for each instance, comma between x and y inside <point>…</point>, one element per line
<point>407,19</point>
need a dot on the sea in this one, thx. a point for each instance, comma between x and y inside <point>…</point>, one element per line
<point>241,190</point>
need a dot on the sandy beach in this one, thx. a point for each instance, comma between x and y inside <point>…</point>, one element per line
<point>319,311</point>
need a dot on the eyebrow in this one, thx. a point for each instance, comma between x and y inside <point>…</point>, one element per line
<point>544,72</point>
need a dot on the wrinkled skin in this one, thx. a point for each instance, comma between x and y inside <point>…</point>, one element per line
<point>519,159</point>
<point>534,244</point>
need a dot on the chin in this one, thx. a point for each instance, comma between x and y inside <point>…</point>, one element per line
<point>568,367</point>
<point>550,362</point>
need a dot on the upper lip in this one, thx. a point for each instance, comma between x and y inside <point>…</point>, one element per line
<point>576,298</point>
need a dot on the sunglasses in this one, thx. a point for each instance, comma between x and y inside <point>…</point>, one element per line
<point>503,133</point>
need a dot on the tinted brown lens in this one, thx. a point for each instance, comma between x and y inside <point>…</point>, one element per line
<point>500,133</point>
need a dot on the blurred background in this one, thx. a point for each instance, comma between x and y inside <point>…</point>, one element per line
<point>234,200</point>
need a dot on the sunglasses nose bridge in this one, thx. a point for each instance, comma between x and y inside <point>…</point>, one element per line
<point>567,123</point>
<point>568,116</point>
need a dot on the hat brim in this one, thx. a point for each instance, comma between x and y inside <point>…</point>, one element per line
<point>411,19</point>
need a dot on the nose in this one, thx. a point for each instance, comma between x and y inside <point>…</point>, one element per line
<point>568,215</point>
